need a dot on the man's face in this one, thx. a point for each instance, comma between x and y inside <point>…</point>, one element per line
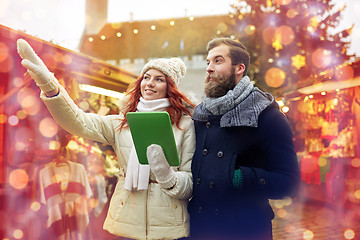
<point>220,77</point>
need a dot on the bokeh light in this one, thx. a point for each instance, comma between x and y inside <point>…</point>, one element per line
<point>18,234</point>
<point>275,77</point>
<point>322,161</point>
<point>349,234</point>
<point>35,206</point>
<point>281,213</point>
<point>18,179</point>
<point>355,162</point>
<point>344,72</point>
<point>48,127</point>
<point>22,138</point>
<point>269,34</point>
<point>3,118</point>
<point>21,114</point>
<point>285,34</point>
<point>308,235</point>
<point>321,57</point>
<point>29,101</point>
<point>13,120</point>
<point>249,29</point>
<point>291,13</point>
<point>283,2</point>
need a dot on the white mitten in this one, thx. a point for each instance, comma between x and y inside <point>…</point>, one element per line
<point>36,67</point>
<point>160,167</point>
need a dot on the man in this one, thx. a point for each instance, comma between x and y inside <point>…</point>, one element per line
<point>244,152</point>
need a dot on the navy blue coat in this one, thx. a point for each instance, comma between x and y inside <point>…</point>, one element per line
<point>268,162</point>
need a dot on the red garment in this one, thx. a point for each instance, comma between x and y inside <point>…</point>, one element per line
<point>65,189</point>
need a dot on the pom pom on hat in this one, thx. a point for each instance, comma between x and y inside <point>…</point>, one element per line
<point>174,68</point>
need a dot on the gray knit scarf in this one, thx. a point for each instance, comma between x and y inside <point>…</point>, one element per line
<point>238,107</point>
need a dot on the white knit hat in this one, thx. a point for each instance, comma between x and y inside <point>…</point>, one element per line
<point>174,68</point>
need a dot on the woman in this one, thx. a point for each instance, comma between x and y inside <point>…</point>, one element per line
<point>156,208</point>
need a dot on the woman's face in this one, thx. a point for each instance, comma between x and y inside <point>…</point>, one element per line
<point>153,85</point>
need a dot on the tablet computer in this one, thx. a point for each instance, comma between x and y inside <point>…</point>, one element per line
<point>153,128</point>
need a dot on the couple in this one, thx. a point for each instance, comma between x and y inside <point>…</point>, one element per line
<point>235,149</point>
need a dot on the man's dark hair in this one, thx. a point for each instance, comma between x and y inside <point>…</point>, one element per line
<point>238,52</point>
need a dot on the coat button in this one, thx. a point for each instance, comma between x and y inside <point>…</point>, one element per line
<point>212,185</point>
<point>199,209</point>
<point>205,151</point>
<point>198,181</point>
<point>262,181</point>
<point>208,125</point>
<point>220,154</point>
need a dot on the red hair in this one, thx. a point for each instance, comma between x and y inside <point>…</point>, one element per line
<point>176,98</point>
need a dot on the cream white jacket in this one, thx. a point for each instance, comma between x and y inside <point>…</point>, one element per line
<point>155,213</point>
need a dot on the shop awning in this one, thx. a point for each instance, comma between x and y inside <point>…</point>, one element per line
<point>328,86</point>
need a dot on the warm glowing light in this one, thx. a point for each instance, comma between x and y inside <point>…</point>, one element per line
<point>20,146</point>
<point>321,57</point>
<point>322,161</point>
<point>250,29</point>
<point>349,234</point>
<point>280,103</point>
<point>298,61</point>
<point>67,59</point>
<point>285,109</point>
<point>72,145</point>
<point>35,206</point>
<point>18,178</point>
<point>357,194</point>
<point>101,91</point>
<point>269,35</point>
<point>90,39</point>
<point>284,34</point>
<point>118,34</point>
<point>54,145</point>
<point>17,81</point>
<point>29,101</point>
<point>136,31</point>
<point>283,2</point>
<point>323,93</point>
<point>103,37</point>
<point>13,120</point>
<point>18,234</point>
<point>291,13</point>
<point>355,162</point>
<point>153,27</point>
<point>311,96</point>
<point>48,127</point>
<point>3,118</point>
<point>344,72</point>
<point>336,101</point>
<point>308,235</point>
<point>275,77</point>
<point>172,23</point>
<point>281,213</point>
<point>191,18</point>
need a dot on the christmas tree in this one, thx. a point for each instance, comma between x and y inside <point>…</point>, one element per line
<point>291,42</point>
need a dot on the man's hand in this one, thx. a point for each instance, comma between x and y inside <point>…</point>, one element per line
<point>37,69</point>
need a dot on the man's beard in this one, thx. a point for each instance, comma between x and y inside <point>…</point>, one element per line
<point>219,85</point>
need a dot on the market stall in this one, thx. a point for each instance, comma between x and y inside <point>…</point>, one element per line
<point>326,124</point>
<point>31,143</point>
